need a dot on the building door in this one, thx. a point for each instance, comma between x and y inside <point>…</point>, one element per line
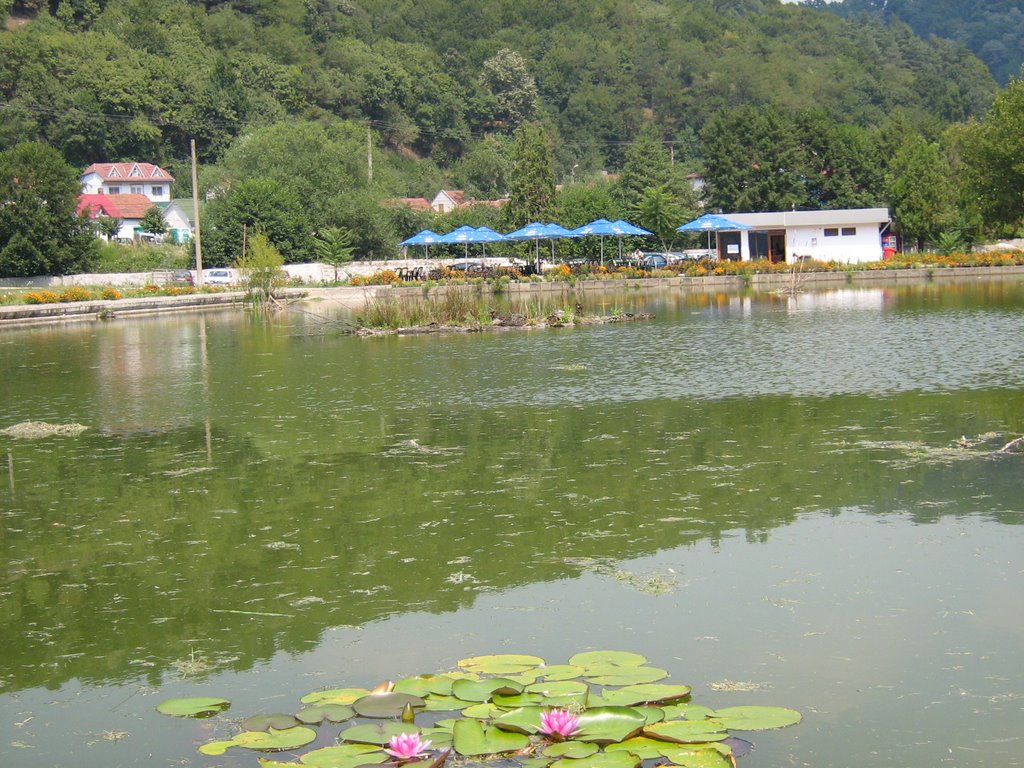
<point>777,245</point>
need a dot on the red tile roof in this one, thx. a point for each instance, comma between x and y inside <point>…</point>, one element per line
<point>115,206</point>
<point>124,172</point>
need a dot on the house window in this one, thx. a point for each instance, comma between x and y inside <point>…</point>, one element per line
<point>849,231</point>
<point>831,231</point>
<point>158,191</point>
<point>136,189</point>
<point>113,190</point>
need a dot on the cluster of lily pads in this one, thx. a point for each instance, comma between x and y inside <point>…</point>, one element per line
<point>604,709</point>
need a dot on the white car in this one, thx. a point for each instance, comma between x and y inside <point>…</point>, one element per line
<point>218,277</point>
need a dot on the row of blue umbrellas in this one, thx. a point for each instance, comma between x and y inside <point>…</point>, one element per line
<point>534,231</point>
<point>537,231</point>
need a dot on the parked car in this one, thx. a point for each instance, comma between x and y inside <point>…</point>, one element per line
<point>467,266</point>
<point>182,277</point>
<point>218,277</point>
<point>653,261</point>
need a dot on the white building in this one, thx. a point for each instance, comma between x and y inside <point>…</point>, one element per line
<point>848,235</point>
<point>127,179</point>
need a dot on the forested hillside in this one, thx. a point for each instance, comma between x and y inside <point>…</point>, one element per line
<point>310,115</point>
<point>992,29</point>
<point>113,79</point>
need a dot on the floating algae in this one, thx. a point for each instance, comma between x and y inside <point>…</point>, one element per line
<point>31,430</point>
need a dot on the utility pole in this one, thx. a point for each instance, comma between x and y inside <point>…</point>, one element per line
<point>369,154</point>
<point>195,216</point>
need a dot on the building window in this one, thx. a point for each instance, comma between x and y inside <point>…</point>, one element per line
<point>113,190</point>
<point>849,231</point>
<point>831,232</point>
<point>158,191</point>
<point>136,189</point>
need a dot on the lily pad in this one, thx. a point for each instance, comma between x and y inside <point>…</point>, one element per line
<point>482,690</point>
<point>650,693</point>
<point>423,686</point>
<point>521,720</point>
<point>202,706</point>
<point>643,747</point>
<point>334,713</point>
<point>443,704</point>
<point>216,748</point>
<point>473,738</point>
<point>385,704</point>
<point>574,749</point>
<point>535,762</point>
<point>552,688</point>
<point>344,756</point>
<point>376,733</point>
<point>484,711</point>
<point>607,725</point>
<point>274,740</point>
<point>561,672</point>
<point>602,760</point>
<point>610,675</point>
<point>757,718</point>
<point>651,714</point>
<point>518,700</point>
<point>686,711</point>
<point>266,722</point>
<point>501,664</point>
<point>697,758</point>
<point>686,732</point>
<point>618,658</point>
<point>335,696</point>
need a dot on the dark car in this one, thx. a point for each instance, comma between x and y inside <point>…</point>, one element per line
<point>182,277</point>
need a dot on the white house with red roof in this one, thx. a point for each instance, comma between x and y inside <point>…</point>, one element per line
<point>128,208</point>
<point>127,179</point>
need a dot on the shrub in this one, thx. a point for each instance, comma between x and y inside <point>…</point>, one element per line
<point>75,293</point>
<point>384,277</point>
<point>111,294</point>
<point>41,297</point>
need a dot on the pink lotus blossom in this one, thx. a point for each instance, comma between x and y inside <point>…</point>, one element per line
<point>559,723</point>
<point>407,746</point>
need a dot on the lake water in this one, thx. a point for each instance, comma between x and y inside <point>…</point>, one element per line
<point>748,489</point>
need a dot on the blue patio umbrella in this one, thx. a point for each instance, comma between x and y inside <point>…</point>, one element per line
<point>464,234</point>
<point>601,228</point>
<point>424,238</point>
<point>533,231</point>
<point>712,222</point>
<point>487,235</point>
<point>556,232</point>
<point>628,230</point>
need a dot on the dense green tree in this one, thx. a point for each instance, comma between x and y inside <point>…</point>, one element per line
<point>153,221</point>
<point>659,211</point>
<point>483,171</point>
<point>647,165</point>
<point>40,232</point>
<point>753,161</point>
<point>507,80</point>
<point>334,246</point>
<point>532,179</point>
<point>251,205</point>
<point>922,192</point>
<point>992,152</point>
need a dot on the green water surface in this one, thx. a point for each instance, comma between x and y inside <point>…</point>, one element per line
<point>750,489</point>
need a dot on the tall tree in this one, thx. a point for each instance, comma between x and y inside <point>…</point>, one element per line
<point>922,192</point>
<point>752,161</point>
<point>508,80</point>
<point>532,179</point>
<point>993,157</point>
<point>40,232</point>
<point>648,164</point>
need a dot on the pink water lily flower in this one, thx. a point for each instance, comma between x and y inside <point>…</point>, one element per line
<point>407,746</point>
<point>559,723</point>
